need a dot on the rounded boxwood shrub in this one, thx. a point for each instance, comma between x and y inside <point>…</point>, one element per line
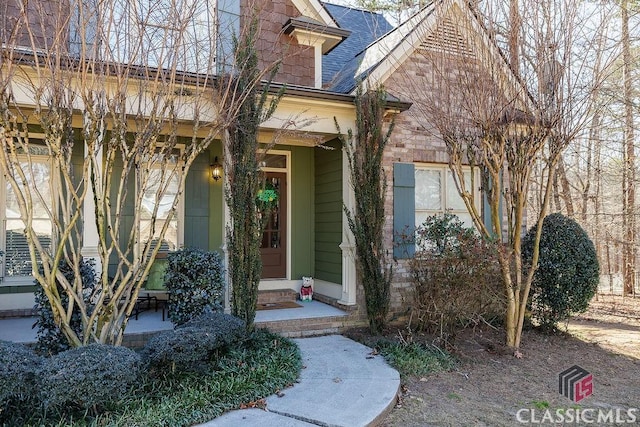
<point>568,270</point>
<point>195,282</point>
<point>191,345</point>
<point>50,338</point>
<point>230,327</point>
<point>89,377</point>
<point>19,365</point>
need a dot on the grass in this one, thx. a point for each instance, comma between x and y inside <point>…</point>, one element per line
<point>540,404</point>
<point>415,358</point>
<point>243,376</point>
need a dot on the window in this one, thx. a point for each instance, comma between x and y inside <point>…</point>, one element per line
<point>436,193</point>
<point>173,32</point>
<point>17,260</point>
<point>165,180</point>
<point>192,35</point>
<point>228,25</point>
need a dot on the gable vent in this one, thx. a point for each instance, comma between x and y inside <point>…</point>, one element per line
<point>447,38</point>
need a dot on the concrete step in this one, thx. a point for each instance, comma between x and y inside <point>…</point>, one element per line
<point>276,295</point>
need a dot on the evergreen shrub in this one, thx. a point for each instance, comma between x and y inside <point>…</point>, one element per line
<point>192,345</point>
<point>568,270</point>
<point>195,283</point>
<point>50,338</point>
<point>88,377</point>
<point>19,365</point>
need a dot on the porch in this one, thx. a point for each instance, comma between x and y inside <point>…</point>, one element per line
<point>311,318</point>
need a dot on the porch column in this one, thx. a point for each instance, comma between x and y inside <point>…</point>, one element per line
<point>90,238</point>
<point>348,242</point>
<point>226,219</point>
<point>317,47</point>
<point>227,278</point>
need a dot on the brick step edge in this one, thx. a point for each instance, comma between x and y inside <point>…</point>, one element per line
<point>27,312</point>
<point>277,295</point>
<point>299,328</point>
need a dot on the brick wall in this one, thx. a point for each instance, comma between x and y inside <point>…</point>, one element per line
<point>42,19</point>
<point>414,140</point>
<point>297,66</point>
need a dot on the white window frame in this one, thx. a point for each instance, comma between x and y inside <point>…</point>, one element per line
<point>444,171</point>
<point>180,211</point>
<point>22,280</point>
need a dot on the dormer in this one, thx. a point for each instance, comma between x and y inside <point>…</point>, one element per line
<point>297,34</point>
<point>322,38</point>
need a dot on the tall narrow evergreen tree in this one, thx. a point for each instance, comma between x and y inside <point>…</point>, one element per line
<point>242,158</point>
<point>364,151</point>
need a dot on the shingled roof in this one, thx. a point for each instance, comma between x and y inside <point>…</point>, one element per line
<point>365,28</point>
<point>462,32</point>
<point>365,61</point>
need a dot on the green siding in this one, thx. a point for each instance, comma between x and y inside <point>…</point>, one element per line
<point>302,212</point>
<point>126,216</point>
<point>216,202</point>
<point>77,157</point>
<point>328,218</point>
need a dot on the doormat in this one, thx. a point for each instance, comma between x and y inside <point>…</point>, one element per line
<point>278,305</point>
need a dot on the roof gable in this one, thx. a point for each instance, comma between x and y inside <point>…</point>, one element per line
<point>442,25</point>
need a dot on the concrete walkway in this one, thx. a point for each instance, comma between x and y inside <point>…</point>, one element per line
<point>341,384</point>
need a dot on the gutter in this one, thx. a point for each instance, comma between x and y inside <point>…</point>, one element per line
<point>325,95</point>
<point>26,58</point>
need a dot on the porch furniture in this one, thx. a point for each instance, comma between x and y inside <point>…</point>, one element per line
<point>160,298</point>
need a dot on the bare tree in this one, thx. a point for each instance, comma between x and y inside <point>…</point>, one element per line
<point>508,125</point>
<point>395,11</point>
<point>629,175</point>
<point>105,90</point>
<point>597,180</point>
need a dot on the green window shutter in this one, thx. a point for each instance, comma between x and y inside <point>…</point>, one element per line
<point>196,206</point>
<point>486,209</point>
<point>404,210</point>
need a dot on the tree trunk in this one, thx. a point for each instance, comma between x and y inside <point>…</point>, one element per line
<point>556,195</point>
<point>514,36</point>
<point>629,252</point>
<point>593,172</point>
<point>597,174</point>
<point>565,190</point>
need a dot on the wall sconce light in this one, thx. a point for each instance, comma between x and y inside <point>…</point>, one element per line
<point>216,170</point>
